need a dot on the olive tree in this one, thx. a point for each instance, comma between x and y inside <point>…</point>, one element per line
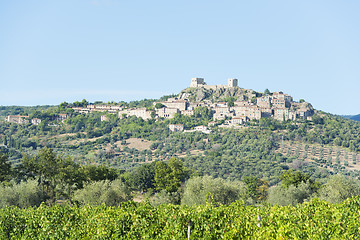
<point>197,190</point>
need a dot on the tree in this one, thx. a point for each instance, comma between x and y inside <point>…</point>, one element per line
<point>267,92</point>
<point>108,192</point>
<point>98,173</point>
<point>159,105</point>
<point>169,176</point>
<point>290,177</point>
<point>230,101</point>
<point>224,192</point>
<point>83,103</point>
<point>292,195</point>
<point>162,175</point>
<point>5,168</point>
<point>338,188</point>
<point>52,170</point>
<point>70,177</point>
<point>256,188</point>
<point>23,195</point>
<point>63,106</point>
<point>203,113</point>
<point>143,178</point>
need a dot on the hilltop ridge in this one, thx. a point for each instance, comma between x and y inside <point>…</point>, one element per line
<point>230,101</point>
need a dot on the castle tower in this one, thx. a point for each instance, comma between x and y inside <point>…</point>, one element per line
<point>232,82</point>
<point>195,82</point>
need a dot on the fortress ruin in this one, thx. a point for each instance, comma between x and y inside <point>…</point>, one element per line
<point>199,82</point>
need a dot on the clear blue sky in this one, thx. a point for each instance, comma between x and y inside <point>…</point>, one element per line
<point>66,50</point>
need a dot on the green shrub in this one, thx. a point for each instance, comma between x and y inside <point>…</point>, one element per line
<point>108,192</point>
<point>197,190</point>
<point>24,194</point>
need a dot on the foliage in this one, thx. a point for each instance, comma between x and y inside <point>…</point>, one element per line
<point>291,177</point>
<point>338,188</point>
<point>230,101</point>
<point>23,195</point>
<point>291,195</point>
<point>142,178</point>
<point>52,169</point>
<point>83,103</point>
<point>107,192</point>
<point>168,176</point>
<point>197,190</point>
<point>5,168</point>
<point>165,197</point>
<point>225,153</point>
<point>159,105</point>
<point>312,220</point>
<point>267,92</point>
<point>98,173</point>
<point>256,189</point>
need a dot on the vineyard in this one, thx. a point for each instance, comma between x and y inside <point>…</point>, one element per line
<point>315,219</point>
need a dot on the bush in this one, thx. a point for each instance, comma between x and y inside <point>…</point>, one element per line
<point>107,192</point>
<point>291,195</point>
<point>23,195</point>
<point>165,197</point>
<point>222,191</point>
<point>338,188</point>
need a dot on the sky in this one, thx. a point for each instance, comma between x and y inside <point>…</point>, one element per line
<point>53,51</point>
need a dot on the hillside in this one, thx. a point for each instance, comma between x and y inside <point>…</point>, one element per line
<point>356,117</point>
<point>261,147</point>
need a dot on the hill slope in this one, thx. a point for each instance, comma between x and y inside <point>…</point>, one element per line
<point>356,117</point>
<point>264,148</point>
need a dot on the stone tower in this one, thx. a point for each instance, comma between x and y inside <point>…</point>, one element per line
<point>232,82</point>
<point>195,82</point>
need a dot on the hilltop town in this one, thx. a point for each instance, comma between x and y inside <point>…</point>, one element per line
<point>229,102</point>
<point>244,105</point>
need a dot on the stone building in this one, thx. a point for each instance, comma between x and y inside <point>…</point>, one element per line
<point>266,112</point>
<point>17,119</point>
<point>138,112</point>
<point>219,104</point>
<point>281,100</point>
<point>232,82</point>
<point>304,113</point>
<point>284,114</point>
<point>104,108</point>
<point>264,102</point>
<point>167,112</point>
<point>238,110</point>
<point>35,121</point>
<point>81,109</point>
<point>187,112</point>
<point>201,128</point>
<point>197,82</point>
<point>221,113</point>
<point>175,103</point>
<point>253,112</point>
<point>279,103</point>
<point>219,116</point>
<point>225,110</point>
<point>176,127</point>
<point>62,117</point>
<point>193,105</point>
<point>239,120</point>
<point>242,103</point>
